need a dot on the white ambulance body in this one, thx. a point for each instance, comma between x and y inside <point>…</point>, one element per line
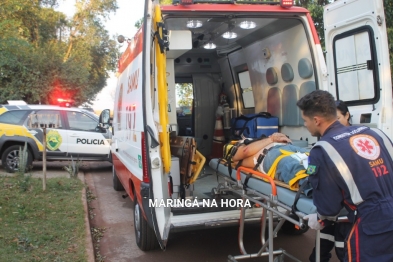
<point>270,58</point>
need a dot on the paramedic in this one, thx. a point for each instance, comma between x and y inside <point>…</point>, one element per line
<point>351,167</point>
<point>335,234</point>
<point>282,161</point>
<point>343,115</point>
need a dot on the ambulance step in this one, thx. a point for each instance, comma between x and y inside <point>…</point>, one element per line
<point>197,210</point>
<point>213,219</point>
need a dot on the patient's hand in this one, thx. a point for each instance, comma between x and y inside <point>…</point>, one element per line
<point>280,138</point>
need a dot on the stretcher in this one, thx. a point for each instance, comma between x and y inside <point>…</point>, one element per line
<point>276,201</point>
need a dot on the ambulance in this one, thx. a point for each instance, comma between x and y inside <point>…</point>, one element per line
<point>254,56</point>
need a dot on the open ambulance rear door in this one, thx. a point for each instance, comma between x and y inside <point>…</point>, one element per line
<point>358,60</point>
<point>155,114</point>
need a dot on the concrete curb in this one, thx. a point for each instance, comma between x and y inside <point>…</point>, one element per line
<point>89,239</point>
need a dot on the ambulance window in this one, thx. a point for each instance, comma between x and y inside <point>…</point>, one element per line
<point>184,98</point>
<point>184,107</point>
<point>80,121</point>
<point>356,67</point>
<point>246,89</point>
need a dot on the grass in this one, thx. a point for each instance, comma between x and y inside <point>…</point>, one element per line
<point>41,226</point>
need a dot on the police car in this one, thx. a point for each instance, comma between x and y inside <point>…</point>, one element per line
<point>70,132</point>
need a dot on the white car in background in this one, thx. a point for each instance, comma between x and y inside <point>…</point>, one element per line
<point>75,133</point>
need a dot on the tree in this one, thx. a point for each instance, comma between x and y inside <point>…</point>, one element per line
<point>139,23</point>
<point>388,5</point>
<point>185,92</point>
<point>44,55</point>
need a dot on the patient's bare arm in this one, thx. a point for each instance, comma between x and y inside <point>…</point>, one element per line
<point>246,151</point>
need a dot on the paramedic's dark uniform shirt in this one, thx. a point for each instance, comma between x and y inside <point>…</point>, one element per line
<point>371,239</point>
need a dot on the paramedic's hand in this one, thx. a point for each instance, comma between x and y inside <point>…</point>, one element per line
<point>313,221</point>
<point>281,138</point>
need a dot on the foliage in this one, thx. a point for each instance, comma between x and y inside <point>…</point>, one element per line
<point>388,6</point>
<point>139,23</point>
<point>45,55</point>
<point>41,225</point>
<point>316,11</point>
<point>185,92</point>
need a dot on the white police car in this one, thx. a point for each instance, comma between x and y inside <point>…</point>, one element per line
<point>71,132</point>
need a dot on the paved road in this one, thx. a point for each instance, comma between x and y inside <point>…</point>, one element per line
<point>118,244</point>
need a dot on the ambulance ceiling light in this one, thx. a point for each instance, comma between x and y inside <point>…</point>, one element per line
<point>229,35</point>
<point>194,23</point>
<point>210,45</point>
<point>247,25</point>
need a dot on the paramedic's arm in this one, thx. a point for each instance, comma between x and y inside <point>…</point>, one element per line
<point>323,176</point>
<point>246,151</point>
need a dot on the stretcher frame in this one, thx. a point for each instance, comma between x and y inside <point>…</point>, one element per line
<point>270,205</point>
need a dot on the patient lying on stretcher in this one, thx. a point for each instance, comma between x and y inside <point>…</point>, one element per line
<point>281,160</point>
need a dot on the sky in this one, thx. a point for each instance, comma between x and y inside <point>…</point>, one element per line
<point>122,23</point>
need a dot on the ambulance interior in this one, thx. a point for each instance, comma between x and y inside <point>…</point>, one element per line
<point>259,63</point>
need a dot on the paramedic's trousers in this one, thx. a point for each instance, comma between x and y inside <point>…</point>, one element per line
<point>332,236</point>
<point>371,238</point>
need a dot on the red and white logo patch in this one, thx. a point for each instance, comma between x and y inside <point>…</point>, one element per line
<point>365,146</point>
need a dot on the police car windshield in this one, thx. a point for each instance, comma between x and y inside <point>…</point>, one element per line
<point>91,114</point>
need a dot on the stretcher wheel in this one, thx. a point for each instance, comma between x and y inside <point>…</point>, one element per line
<point>215,193</point>
<point>292,229</point>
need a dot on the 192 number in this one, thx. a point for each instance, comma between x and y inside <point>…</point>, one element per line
<point>380,170</point>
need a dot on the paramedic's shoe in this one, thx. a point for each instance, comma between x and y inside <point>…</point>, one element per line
<point>313,221</point>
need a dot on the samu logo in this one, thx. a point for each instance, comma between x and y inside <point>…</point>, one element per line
<point>53,140</point>
<point>133,81</point>
<point>90,141</point>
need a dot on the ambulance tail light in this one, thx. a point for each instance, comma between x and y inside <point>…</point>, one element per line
<point>145,177</point>
<point>286,3</point>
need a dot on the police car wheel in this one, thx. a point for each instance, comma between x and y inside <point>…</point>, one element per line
<point>144,235</point>
<point>116,182</point>
<point>10,159</point>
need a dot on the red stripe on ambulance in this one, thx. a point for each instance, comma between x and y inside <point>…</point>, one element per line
<point>133,50</point>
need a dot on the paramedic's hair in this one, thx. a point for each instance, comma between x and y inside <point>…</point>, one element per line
<point>318,103</point>
<point>343,108</point>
